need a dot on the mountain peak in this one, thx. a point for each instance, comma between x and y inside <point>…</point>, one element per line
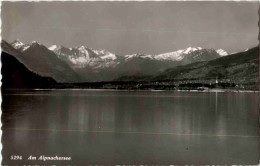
<point>55,47</point>
<point>35,43</point>
<point>82,47</point>
<point>17,44</point>
<point>191,49</point>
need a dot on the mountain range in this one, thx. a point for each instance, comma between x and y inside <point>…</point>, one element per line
<point>39,59</point>
<point>85,64</point>
<point>33,65</point>
<point>239,68</point>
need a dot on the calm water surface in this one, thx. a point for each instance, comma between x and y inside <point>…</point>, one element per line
<point>130,127</point>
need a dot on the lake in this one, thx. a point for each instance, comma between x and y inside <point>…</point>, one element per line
<point>130,127</point>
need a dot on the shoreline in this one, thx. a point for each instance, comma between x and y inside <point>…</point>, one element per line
<point>148,90</point>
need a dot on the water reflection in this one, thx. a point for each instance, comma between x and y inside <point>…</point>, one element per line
<point>123,127</point>
<point>216,103</point>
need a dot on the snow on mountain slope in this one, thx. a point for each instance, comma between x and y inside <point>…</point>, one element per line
<point>170,56</point>
<point>105,54</point>
<point>143,56</point>
<point>222,52</point>
<point>176,55</point>
<point>190,49</point>
<point>184,53</point>
<point>83,56</point>
<point>21,46</point>
<point>17,44</point>
<point>53,47</point>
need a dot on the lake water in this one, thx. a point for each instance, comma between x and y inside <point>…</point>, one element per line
<point>130,127</point>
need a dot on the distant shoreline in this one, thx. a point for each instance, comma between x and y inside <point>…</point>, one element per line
<point>149,90</point>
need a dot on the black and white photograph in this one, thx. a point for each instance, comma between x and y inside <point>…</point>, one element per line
<point>133,83</point>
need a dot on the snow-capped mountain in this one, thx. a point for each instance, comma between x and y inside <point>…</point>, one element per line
<point>143,56</point>
<point>176,55</point>
<point>83,56</point>
<point>38,58</point>
<point>222,52</point>
<point>32,64</point>
<point>197,54</point>
<point>21,46</point>
<point>93,64</point>
<point>17,44</point>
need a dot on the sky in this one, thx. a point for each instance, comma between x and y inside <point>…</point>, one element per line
<point>133,27</point>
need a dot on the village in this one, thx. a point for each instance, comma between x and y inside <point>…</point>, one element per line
<point>200,85</point>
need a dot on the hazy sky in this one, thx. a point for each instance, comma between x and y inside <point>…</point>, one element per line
<point>134,27</point>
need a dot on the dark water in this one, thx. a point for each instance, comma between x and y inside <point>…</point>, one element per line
<point>130,127</point>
